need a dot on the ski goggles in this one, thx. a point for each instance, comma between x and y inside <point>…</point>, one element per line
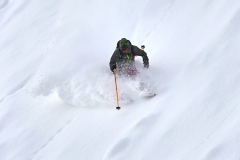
<point>126,50</point>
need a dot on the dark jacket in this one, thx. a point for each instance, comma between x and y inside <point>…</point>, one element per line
<point>120,59</point>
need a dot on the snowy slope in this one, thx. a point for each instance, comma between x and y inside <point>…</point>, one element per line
<point>57,97</point>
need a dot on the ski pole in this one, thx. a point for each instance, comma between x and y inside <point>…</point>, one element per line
<point>115,80</point>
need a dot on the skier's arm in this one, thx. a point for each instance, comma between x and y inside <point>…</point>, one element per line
<point>114,59</point>
<point>143,54</point>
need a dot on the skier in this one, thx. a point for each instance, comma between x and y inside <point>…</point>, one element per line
<point>123,58</point>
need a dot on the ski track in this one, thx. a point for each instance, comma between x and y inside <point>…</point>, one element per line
<point>52,138</point>
<point>17,88</point>
<point>15,12</point>
<point>136,133</point>
<point>214,131</point>
<point>3,4</point>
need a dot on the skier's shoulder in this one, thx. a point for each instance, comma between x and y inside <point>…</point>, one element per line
<point>135,47</point>
<point>117,51</point>
<point>137,50</point>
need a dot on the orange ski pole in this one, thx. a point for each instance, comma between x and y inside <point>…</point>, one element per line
<point>115,80</point>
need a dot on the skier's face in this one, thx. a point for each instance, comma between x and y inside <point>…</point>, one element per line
<point>126,50</point>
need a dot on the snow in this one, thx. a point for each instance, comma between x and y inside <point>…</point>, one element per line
<point>57,97</point>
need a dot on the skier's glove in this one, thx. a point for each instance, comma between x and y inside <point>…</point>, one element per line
<point>113,67</point>
<point>146,65</point>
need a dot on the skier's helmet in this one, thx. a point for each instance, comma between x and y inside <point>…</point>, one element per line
<point>124,44</point>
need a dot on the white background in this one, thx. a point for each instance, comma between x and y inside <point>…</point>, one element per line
<point>57,95</point>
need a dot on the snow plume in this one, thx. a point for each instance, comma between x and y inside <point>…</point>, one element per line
<point>87,88</point>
